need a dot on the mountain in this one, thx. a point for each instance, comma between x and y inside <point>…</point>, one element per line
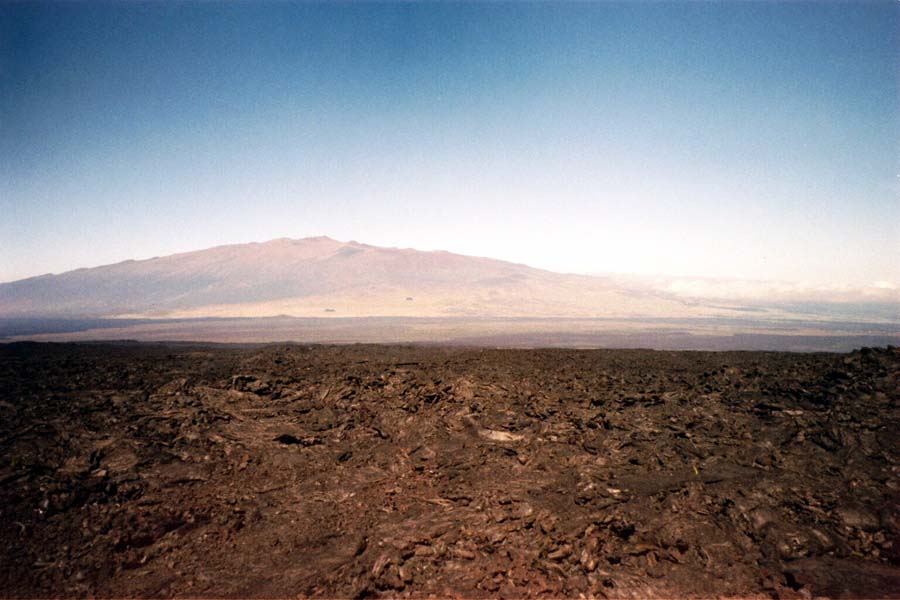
<point>323,277</point>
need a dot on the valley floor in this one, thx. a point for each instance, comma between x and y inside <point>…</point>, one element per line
<point>700,333</point>
<point>353,471</point>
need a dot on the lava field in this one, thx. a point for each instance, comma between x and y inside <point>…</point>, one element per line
<point>130,470</point>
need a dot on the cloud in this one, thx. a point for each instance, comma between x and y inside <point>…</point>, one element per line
<point>763,293</point>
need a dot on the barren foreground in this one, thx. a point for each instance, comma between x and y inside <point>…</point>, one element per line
<point>398,471</point>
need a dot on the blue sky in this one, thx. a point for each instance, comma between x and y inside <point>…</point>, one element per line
<point>754,140</point>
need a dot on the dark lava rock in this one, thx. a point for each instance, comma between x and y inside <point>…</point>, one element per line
<point>275,471</point>
<point>858,516</point>
<point>834,578</point>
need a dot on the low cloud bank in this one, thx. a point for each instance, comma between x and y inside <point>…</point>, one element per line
<point>876,300</point>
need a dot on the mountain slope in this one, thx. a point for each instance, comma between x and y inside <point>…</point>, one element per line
<point>324,277</point>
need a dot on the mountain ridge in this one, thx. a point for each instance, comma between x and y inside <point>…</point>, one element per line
<point>310,277</point>
<point>323,277</point>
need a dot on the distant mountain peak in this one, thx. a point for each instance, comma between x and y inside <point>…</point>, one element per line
<point>323,277</point>
<point>308,276</point>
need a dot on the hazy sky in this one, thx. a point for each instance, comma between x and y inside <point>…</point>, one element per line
<point>753,140</point>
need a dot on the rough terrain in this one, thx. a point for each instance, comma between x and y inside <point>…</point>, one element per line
<point>352,471</point>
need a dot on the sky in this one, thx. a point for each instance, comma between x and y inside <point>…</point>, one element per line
<point>743,140</point>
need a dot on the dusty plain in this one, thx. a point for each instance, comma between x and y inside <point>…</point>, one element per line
<point>709,333</point>
<point>133,470</point>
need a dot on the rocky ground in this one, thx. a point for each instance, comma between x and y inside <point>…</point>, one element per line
<point>355,471</point>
